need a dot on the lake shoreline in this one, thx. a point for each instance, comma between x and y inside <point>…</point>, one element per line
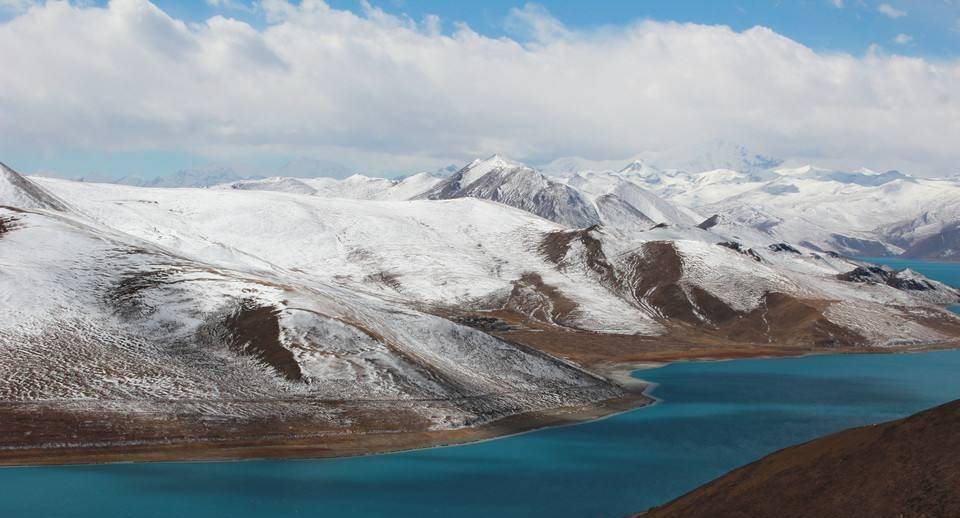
<point>637,394</point>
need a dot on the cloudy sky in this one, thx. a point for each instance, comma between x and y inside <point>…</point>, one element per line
<point>133,87</point>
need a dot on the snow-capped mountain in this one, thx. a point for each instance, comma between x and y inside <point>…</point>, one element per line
<point>861,213</point>
<point>104,307</point>
<point>514,184</point>
<point>202,177</point>
<point>599,185</point>
<point>355,187</point>
<point>566,167</point>
<point>716,154</point>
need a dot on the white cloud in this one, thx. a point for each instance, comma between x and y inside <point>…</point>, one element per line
<point>837,3</point>
<point>902,39</point>
<point>381,90</point>
<point>535,22</point>
<point>890,11</point>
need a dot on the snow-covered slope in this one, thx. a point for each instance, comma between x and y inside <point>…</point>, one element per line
<point>136,314</point>
<point>361,187</point>
<point>201,177</point>
<point>462,253</point>
<point>857,213</point>
<point>860,213</point>
<point>480,255</point>
<point>17,191</point>
<point>653,207</point>
<point>277,183</point>
<point>281,300</point>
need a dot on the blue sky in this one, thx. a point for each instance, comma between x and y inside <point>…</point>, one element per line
<point>933,25</point>
<point>101,100</point>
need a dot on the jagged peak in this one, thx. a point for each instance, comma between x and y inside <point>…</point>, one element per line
<point>479,168</point>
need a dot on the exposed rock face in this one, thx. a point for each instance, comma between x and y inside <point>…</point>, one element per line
<point>942,246</point>
<point>254,330</point>
<point>532,297</point>
<point>905,280</point>
<point>783,247</point>
<point>709,223</point>
<point>906,468</point>
<point>289,185</point>
<point>737,247</point>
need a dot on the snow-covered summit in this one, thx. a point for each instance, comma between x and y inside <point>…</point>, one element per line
<point>503,180</point>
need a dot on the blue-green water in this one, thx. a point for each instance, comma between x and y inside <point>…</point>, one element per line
<point>714,416</point>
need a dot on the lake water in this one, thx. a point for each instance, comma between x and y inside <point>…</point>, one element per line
<point>714,416</point>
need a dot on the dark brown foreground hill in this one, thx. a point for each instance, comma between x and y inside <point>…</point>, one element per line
<point>905,468</point>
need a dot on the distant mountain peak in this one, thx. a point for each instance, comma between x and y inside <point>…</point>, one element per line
<point>640,167</point>
<point>720,154</point>
<point>497,160</point>
<point>207,176</point>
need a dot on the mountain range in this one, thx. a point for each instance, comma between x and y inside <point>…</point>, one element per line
<point>370,309</point>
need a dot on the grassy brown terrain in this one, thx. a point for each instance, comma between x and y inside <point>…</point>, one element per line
<point>146,438</point>
<point>909,468</point>
<point>39,433</point>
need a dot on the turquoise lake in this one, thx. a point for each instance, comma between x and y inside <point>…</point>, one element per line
<point>714,416</point>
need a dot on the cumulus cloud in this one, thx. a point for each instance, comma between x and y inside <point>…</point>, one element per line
<point>384,90</point>
<point>902,39</point>
<point>837,3</point>
<point>890,11</point>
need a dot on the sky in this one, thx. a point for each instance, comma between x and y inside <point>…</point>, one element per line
<point>129,87</point>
